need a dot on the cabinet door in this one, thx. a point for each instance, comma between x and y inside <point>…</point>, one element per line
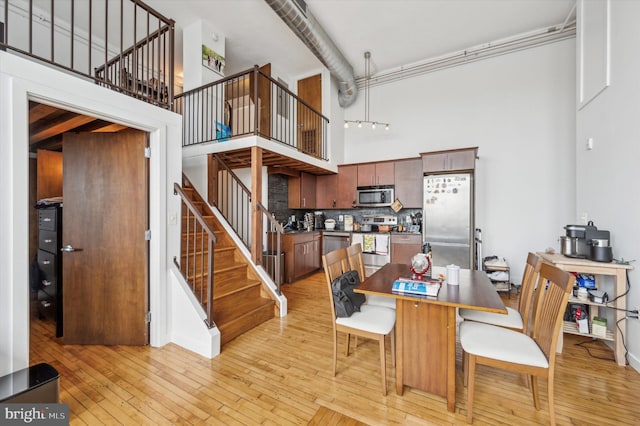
<point>434,162</point>
<point>316,253</point>
<point>308,191</point>
<point>347,183</point>
<point>384,174</point>
<point>327,192</point>
<point>448,161</point>
<point>404,247</point>
<point>408,182</point>
<point>376,173</point>
<point>295,188</point>
<point>462,160</point>
<point>299,260</point>
<point>366,174</point>
<point>302,191</point>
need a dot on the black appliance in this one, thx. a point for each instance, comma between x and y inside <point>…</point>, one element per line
<point>588,242</point>
<point>318,220</point>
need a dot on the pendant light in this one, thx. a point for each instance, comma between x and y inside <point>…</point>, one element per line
<point>367,78</point>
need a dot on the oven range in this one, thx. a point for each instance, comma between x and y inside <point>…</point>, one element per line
<point>376,246</point>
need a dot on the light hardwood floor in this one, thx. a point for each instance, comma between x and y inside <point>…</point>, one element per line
<point>280,373</point>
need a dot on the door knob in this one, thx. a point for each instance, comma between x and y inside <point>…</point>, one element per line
<point>69,248</point>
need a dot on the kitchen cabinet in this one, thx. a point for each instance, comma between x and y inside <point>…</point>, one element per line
<point>302,191</point>
<point>449,161</point>
<point>404,247</point>
<point>381,173</point>
<point>408,182</point>
<point>302,254</point>
<point>327,191</point>
<point>347,183</point>
<point>618,272</point>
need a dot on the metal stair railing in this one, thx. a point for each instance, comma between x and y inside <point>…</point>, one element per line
<point>197,251</point>
<point>234,203</point>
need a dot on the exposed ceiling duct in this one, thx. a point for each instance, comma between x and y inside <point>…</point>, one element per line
<point>296,15</point>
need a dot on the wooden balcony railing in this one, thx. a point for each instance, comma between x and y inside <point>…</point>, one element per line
<point>121,44</point>
<point>251,103</point>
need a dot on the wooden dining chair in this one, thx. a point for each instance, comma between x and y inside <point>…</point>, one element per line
<point>372,322</point>
<point>356,263</point>
<point>515,319</point>
<point>506,349</point>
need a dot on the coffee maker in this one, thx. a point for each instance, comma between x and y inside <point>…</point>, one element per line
<point>587,242</point>
<point>319,220</point>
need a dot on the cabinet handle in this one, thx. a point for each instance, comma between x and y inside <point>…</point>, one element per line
<point>48,241</point>
<point>415,304</point>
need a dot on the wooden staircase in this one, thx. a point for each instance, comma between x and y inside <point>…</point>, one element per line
<point>238,300</point>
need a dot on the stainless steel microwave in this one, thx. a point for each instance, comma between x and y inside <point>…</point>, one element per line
<point>375,196</point>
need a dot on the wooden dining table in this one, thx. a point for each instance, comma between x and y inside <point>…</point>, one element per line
<point>426,326</point>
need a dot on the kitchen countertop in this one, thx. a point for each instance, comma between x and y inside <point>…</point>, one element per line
<point>370,232</point>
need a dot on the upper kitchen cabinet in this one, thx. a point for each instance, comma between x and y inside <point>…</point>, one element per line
<point>302,191</point>
<point>347,182</point>
<point>449,161</point>
<point>408,182</point>
<point>327,191</point>
<point>381,173</point>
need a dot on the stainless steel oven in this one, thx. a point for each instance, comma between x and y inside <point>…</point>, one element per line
<point>376,246</point>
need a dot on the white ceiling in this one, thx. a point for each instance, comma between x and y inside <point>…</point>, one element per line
<point>396,32</point>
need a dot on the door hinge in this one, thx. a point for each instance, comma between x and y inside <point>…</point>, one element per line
<point>147,235</point>
<point>147,152</point>
<point>147,317</point>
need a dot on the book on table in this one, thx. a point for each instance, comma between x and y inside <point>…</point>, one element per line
<point>418,287</point>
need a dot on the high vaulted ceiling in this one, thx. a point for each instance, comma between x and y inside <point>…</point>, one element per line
<point>396,32</point>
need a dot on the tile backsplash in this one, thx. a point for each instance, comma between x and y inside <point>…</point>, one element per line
<point>278,193</point>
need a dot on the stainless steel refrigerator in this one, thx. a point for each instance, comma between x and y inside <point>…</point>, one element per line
<point>447,218</point>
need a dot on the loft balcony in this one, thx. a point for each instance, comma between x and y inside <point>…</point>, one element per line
<point>129,47</point>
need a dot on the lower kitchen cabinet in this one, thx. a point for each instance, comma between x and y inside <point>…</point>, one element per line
<point>302,254</point>
<point>404,247</point>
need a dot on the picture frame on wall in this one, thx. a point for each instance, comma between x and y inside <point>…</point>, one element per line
<point>212,60</point>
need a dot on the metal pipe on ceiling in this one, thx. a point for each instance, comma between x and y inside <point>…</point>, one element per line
<point>297,16</point>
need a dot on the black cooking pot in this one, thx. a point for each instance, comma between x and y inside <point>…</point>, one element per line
<point>600,253</point>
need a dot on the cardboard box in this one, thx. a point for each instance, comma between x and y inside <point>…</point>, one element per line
<point>599,327</point>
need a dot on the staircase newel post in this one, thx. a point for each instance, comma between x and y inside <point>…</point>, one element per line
<point>256,199</point>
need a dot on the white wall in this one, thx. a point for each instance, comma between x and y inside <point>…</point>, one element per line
<point>608,175</point>
<point>21,80</point>
<point>519,109</point>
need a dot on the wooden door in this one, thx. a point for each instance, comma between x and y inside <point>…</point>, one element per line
<point>309,123</point>
<point>105,216</point>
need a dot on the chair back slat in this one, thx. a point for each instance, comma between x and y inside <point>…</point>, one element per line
<point>529,279</point>
<point>356,261</point>
<point>556,285</point>
<point>335,263</point>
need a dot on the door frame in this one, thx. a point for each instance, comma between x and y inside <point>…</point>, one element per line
<point>22,80</point>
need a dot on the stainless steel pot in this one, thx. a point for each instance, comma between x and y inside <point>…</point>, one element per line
<point>568,246</point>
<point>600,242</point>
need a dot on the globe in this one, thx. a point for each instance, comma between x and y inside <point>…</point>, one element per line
<point>420,264</point>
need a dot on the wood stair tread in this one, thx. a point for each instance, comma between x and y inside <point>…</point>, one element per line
<point>253,305</point>
<point>237,289</point>
<point>238,301</point>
